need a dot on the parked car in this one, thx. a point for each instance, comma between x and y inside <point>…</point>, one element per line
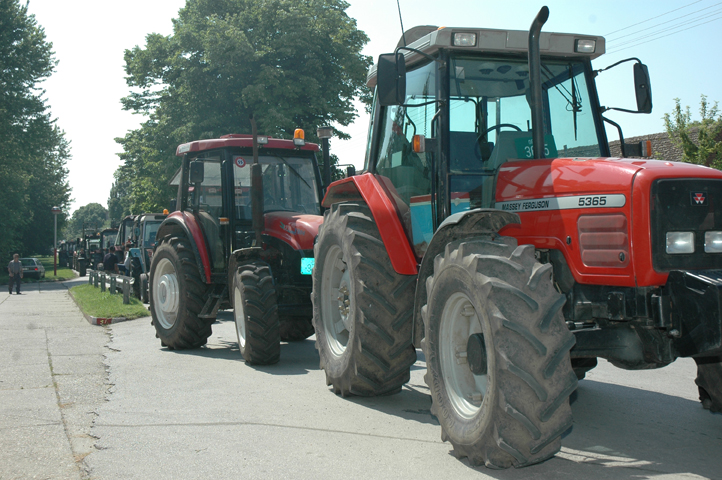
<point>32,268</point>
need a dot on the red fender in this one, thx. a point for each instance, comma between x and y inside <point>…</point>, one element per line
<point>189,223</point>
<point>368,189</point>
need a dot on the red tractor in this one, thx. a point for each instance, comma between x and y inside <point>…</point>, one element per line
<point>242,237</point>
<point>492,229</point>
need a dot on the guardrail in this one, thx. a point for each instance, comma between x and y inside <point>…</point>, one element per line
<point>112,282</point>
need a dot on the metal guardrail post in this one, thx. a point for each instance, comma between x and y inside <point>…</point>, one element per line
<point>95,279</point>
<point>126,291</point>
<point>113,286</point>
<point>90,277</point>
<point>103,279</point>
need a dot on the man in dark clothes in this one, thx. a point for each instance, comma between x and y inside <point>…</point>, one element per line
<point>110,262</point>
<point>15,270</point>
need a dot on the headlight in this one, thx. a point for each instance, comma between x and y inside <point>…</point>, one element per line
<point>713,242</point>
<point>464,39</point>
<point>680,242</point>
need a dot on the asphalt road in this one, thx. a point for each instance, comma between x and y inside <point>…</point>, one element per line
<point>82,401</point>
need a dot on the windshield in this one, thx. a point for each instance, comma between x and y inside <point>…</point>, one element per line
<point>151,228</point>
<point>289,184</point>
<point>490,117</point>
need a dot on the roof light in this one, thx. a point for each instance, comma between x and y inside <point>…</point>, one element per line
<point>184,148</point>
<point>299,137</point>
<point>464,39</point>
<point>585,46</point>
<point>262,139</point>
<point>324,132</point>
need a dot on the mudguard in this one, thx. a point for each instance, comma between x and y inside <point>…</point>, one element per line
<point>466,224</point>
<point>192,229</point>
<point>368,189</point>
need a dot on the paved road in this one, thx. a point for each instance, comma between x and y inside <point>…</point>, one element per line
<point>83,401</point>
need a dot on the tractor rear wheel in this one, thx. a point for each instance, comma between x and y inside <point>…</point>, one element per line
<point>709,382</point>
<point>362,309</point>
<point>294,329</point>
<point>255,310</point>
<point>497,353</point>
<point>82,269</point>
<point>177,296</point>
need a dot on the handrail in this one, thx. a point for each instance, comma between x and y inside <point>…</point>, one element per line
<point>103,279</point>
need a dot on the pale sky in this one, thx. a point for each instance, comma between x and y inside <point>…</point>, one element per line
<point>678,40</point>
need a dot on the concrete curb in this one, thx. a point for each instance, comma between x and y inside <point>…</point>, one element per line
<point>102,321</point>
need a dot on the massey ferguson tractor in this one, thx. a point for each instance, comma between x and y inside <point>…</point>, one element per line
<point>492,229</point>
<point>242,237</point>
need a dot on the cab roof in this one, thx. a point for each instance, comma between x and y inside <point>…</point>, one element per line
<point>239,140</point>
<point>430,39</point>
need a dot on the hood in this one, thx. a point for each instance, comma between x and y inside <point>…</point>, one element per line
<point>297,230</point>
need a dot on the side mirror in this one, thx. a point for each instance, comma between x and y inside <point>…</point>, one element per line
<point>391,79</point>
<point>642,88</point>
<point>173,202</point>
<point>350,171</point>
<point>196,172</point>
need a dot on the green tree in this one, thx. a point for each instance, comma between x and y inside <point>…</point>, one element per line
<point>119,200</point>
<point>33,150</point>
<point>707,149</point>
<point>289,63</point>
<point>92,217</point>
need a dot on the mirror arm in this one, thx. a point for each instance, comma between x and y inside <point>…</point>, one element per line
<point>619,129</point>
<point>597,72</point>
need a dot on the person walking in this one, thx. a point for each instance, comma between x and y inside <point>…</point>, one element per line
<point>15,270</point>
<point>110,262</point>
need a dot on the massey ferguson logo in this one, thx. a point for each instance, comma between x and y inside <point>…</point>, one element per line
<point>698,198</point>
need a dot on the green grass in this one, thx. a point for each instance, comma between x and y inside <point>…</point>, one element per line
<point>47,261</point>
<point>95,303</point>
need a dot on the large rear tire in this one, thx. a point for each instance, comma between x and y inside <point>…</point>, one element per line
<point>255,310</point>
<point>362,309</point>
<point>177,296</point>
<point>497,353</point>
<point>709,382</point>
<point>144,288</point>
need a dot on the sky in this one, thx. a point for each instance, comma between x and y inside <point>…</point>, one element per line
<point>678,40</point>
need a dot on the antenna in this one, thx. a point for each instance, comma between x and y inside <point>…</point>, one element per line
<point>403,35</point>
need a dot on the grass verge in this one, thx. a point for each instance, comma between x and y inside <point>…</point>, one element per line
<point>95,303</point>
<point>63,273</point>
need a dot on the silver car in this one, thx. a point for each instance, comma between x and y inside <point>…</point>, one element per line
<point>32,268</point>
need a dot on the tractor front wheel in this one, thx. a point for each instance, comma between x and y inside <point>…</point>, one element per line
<point>497,353</point>
<point>362,309</point>
<point>255,310</point>
<point>709,382</point>
<point>177,296</point>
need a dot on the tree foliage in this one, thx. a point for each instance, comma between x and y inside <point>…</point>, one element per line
<point>707,149</point>
<point>33,150</point>
<point>289,63</point>
<point>92,217</point>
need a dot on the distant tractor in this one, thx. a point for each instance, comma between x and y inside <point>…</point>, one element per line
<point>492,230</point>
<point>142,241</point>
<point>241,237</point>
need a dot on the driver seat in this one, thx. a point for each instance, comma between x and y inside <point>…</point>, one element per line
<point>505,147</point>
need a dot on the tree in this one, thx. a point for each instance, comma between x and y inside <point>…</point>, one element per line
<point>119,200</point>
<point>289,63</point>
<point>707,149</point>
<point>33,150</point>
<point>89,218</point>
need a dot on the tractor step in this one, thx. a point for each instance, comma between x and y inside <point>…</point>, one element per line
<point>213,302</point>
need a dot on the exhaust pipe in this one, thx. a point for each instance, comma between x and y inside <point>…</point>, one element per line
<point>537,112</point>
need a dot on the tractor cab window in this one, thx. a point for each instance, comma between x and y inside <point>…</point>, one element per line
<point>289,183</point>
<point>490,120</point>
<point>408,172</point>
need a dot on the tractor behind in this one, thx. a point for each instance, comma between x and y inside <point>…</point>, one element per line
<point>242,236</point>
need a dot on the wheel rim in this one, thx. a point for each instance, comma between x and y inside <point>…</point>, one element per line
<point>459,320</point>
<point>336,301</point>
<point>240,318</point>
<point>166,295</point>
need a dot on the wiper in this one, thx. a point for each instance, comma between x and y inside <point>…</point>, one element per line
<point>292,169</point>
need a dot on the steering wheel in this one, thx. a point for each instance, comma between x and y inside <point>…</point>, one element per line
<point>477,150</point>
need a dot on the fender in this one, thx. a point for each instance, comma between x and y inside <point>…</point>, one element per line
<point>466,224</point>
<point>192,229</point>
<point>368,189</point>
